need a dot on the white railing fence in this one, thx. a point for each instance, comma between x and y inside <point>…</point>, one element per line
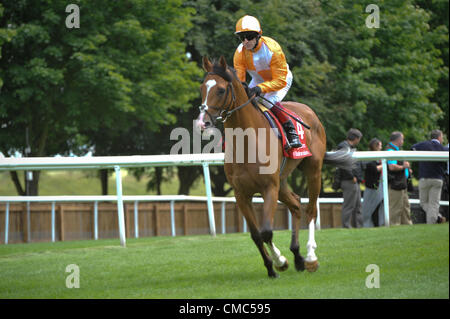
<point>118,162</point>
<point>397,155</point>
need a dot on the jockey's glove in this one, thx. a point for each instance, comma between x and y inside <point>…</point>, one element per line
<point>255,91</point>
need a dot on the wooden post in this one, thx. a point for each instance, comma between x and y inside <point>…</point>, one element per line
<point>156,219</point>
<point>336,215</point>
<point>61,222</point>
<point>332,216</point>
<point>26,235</point>
<point>185,217</point>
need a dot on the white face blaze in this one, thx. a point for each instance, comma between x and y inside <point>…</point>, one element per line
<point>209,85</point>
<point>200,123</point>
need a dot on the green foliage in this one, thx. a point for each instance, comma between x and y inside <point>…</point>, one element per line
<point>439,10</point>
<point>122,81</point>
<point>119,76</point>
<point>125,62</point>
<point>377,80</point>
<point>5,36</point>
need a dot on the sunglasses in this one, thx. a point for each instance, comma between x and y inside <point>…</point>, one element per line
<point>247,35</point>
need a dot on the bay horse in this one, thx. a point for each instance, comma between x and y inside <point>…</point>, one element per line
<point>224,96</point>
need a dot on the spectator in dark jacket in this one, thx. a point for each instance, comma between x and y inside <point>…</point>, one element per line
<point>373,194</point>
<point>349,183</point>
<point>431,178</point>
<point>398,173</point>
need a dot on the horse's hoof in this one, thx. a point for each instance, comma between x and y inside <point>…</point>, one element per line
<point>311,266</point>
<point>300,266</point>
<point>284,267</point>
<point>273,275</point>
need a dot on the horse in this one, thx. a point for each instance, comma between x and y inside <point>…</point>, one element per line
<point>225,98</point>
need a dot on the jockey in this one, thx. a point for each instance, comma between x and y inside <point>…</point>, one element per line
<point>263,58</point>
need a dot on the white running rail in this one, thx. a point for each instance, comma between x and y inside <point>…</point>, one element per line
<point>118,162</point>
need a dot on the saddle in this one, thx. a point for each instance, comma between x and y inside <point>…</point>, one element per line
<point>294,153</point>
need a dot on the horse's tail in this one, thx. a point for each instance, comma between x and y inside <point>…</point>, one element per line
<point>341,159</point>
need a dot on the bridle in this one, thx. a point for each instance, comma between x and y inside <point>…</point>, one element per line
<point>225,111</point>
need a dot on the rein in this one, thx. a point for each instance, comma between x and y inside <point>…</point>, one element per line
<point>229,113</point>
<point>226,113</point>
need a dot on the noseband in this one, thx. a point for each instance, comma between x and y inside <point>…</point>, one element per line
<point>225,111</point>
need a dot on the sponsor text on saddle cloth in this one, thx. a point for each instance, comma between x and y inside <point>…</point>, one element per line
<point>294,153</point>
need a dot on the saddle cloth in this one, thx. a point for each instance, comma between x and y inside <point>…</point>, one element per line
<point>294,153</point>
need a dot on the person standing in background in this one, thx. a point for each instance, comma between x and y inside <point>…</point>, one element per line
<point>349,183</point>
<point>373,194</point>
<point>431,178</point>
<point>398,173</point>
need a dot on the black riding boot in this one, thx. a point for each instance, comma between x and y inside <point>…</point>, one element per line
<point>291,133</point>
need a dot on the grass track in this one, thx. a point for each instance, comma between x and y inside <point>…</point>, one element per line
<point>413,262</point>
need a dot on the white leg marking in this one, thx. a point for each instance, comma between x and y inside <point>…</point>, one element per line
<point>278,259</point>
<point>311,244</point>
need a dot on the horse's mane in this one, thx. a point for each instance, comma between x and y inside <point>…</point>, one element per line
<point>229,76</point>
<point>222,72</point>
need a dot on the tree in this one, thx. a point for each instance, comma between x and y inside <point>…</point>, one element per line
<point>383,79</point>
<point>378,80</point>
<point>5,36</point>
<point>72,88</point>
<point>392,71</point>
<point>33,80</point>
<point>438,11</point>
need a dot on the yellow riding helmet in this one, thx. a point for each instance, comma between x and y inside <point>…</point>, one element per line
<point>248,23</point>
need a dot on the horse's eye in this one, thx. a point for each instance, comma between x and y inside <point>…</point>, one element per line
<point>220,91</point>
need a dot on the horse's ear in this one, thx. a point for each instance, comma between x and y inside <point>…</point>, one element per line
<point>207,66</point>
<point>223,62</point>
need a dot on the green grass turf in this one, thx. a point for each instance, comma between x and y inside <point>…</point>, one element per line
<point>413,263</point>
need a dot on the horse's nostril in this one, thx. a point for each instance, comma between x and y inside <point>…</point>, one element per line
<point>207,124</point>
